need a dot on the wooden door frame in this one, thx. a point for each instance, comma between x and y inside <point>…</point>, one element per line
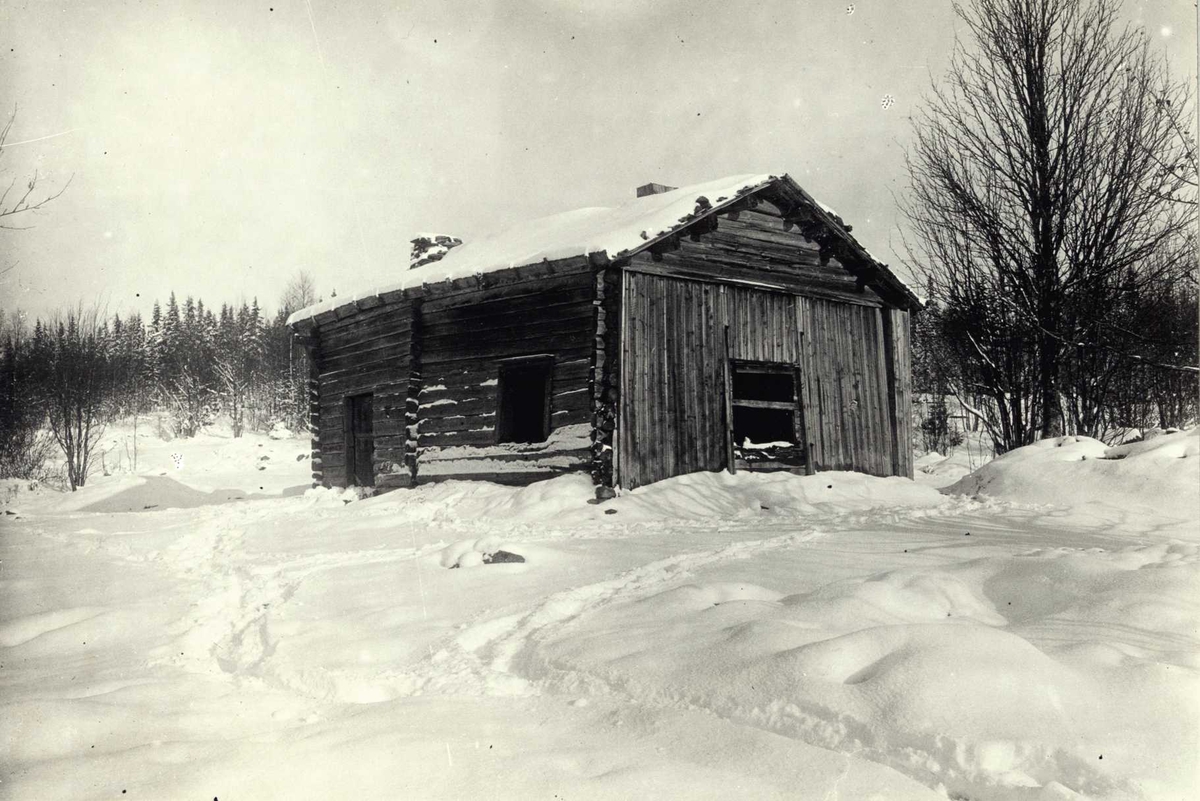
<point>799,423</point>
<point>351,456</point>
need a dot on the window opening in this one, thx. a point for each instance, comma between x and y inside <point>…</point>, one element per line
<point>766,416</point>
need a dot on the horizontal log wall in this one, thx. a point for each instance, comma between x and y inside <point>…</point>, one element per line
<point>464,337</point>
<point>672,416</point>
<point>369,351</point>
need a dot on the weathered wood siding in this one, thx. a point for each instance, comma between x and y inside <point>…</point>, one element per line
<point>640,345</point>
<point>844,384</point>
<point>542,309</point>
<point>368,351</point>
<point>754,250</point>
<point>674,352</point>
<point>672,414</point>
<point>898,344</point>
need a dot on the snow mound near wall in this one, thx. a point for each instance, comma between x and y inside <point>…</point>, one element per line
<point>723,496</point>
<point>696,496</point>
<point>1160,475</point>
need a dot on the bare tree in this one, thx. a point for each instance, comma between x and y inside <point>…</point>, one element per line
<point>235,389</point>
<point>25,446</point>
<point>190,401</point>
<point>74,385</point>
<point>1039,194</point>
<point>301,291</point>
<point>16,200</point>
<point>1185,166</point>
<point>22,200</point>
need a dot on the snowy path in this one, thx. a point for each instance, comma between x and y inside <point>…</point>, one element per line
<point>482,657</point>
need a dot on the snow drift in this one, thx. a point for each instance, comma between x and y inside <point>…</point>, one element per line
<point>1157,477</point>
<point>762,635</point>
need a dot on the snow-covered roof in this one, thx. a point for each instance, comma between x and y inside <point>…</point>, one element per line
<point>613,231</point>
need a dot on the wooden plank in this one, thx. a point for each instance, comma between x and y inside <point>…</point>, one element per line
<point>488,402</point>
<point>626,415</point>
<point>902,355</point>
<point>393,481</point>
<point>572,345</point>
<point>809,404</point>
<point>882,418</point>
<point>708,266</point>
<point>532,327</point>
<point>513,478</point>
<point>689,360</point>
<point>664,329</point>
<point>354,331</point>
<point>454,438</point>
<point>390,338</point>
<point>357,341</point>
<point>435,425</point>
<point>572,400</point>
<point>581,455</point>
<point>366,361</point>
<point>450,379</point>
<point>393,376</point>
<point>760,404</point>
<point>348,383</point>
<point>356,319</point>
<point>729,453</point>
<point>635,380</point>
<point>714,408</point>
<point>555,301</point>
<point>513,283</point>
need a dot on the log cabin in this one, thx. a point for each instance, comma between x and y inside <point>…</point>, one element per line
<point>731,325</point>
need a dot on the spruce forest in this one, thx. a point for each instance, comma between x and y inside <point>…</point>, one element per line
<point>63,378</point>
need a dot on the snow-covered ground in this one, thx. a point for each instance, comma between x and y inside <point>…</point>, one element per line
<point>935,470</point>
<point>212,630</point>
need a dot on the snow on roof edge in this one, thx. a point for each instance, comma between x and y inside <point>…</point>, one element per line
<point>615,232</point>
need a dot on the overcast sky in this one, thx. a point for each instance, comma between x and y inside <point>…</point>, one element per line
<point>217,147</point>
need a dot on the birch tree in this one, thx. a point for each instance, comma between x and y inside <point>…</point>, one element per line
<point>1045,184</point>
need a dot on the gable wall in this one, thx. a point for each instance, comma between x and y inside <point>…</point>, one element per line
<point>369,351</point>
<point>674,315</point>
<point>755,250</point>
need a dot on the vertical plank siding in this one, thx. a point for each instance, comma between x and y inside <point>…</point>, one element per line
<point>898,360</point>
<point>672,399</point>
<point>672,408</point>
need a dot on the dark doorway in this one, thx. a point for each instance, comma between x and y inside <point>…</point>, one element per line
<point>524,409</point>
<point>360,441</point>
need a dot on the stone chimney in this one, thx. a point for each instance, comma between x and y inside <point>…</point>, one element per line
<point>654,189</point>
<point>428,248</point>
